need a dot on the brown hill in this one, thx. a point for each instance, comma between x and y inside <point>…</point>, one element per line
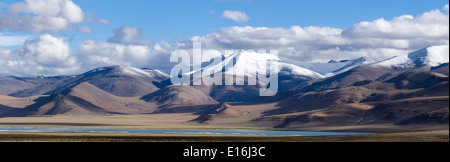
<point>179,95</point>
<point>109,102</point>
<point>241,93</point>
<point>232,112</point>
<point>442,69</point>
<point>353,94</point>
<point>17,102</point>
<point>409,111</point>
<point>414,80</point>
<point>423,101</point>
<point>358,74</point>
<point>343,114</point>
<point>11,85</point>
<point>58,104</point>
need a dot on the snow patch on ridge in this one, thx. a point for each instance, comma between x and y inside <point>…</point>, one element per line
<point>431,56</point>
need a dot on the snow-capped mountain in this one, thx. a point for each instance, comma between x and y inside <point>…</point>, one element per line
<point>334,67</point>
<point>121,81</point>
<point>244,63</point>
<point>130,71</point>
<point>431,56</point>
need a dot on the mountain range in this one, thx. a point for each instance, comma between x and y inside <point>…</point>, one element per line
<point>408,89</point>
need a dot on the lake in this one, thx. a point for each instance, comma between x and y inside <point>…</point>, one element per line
<point>181,131</point>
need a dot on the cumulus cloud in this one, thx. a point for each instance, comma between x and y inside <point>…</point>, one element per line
<point>38,16</point>
<point>5,57</point>
<point>85,29</point>
<point>49,55</point>
<point>433,24</point>
<point>125,34</point>
<point>237,16</point>
<point>377,39</point>
<point>98,53</point>
<point>45,55</point>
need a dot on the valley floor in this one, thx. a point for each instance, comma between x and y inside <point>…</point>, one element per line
<point>385,133</point>
<point>428,136</point>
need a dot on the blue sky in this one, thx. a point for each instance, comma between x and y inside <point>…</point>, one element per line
<point>177,20</point>
<point>40,37</point>
<point>171,20</point>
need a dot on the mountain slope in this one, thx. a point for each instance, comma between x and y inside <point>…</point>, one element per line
<point>348,78</point>
<point>244,65</point>
<point>422,100</point>
<point>9,85</point>
<point>57,104</point>
<point>179,95</point>
<point>334,67</point>
<point>117,80</point>
<point>240,61</point>
<point>17,102</point>
<point>409,111</point>
<point>442,69</point>
<point>407,85</point>
<point>431,56</point>
<point>415,80</point>
<point>108,102</point>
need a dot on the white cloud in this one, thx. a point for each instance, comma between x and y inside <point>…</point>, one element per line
<point>85,29</point>
<point>103,21</point>
<point>38,16</point>
<point>49,55</point>
<point>47,50</point>
<point>97,53</point>
<point>46,55</point>
<point>378,39</point>
<point>237,16</point>
<point>432,24</point>
<point>446,7</point>
<point>5,56</point>
<point>125,34</point>
<point>91,17</point>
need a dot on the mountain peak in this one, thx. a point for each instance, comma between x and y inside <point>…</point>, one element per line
<point>240,61</point>
<point>130,71</point>
<point>430,56</point>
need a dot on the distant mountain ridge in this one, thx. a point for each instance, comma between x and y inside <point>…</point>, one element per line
<point>409,89</point>
<point>431,56</point>
<point>243,63</point>
<point>133,82</point>
<point>119,80</point>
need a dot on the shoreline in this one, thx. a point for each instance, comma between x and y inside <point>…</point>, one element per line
<point>384,132</point>
<point>243,132</point>
<point>425,136</point>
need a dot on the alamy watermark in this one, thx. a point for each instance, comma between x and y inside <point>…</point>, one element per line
<point>189,71</point>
